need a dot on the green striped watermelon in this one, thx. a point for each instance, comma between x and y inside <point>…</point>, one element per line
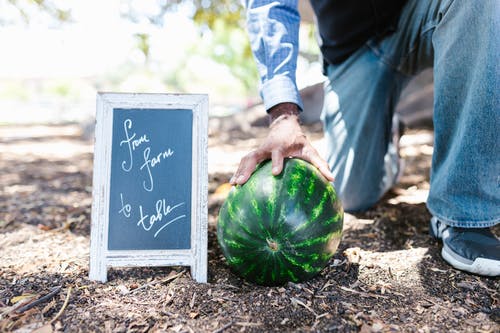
<point>275,229</point>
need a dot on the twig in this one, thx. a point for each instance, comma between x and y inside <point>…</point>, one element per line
<point>326,285</point>
<point>66,301</point>
<point>229,286</point>
<point>299,302</point>
<point>168,279</point>
<point>223,328</point>
<point>318,317</point>
<point>361,293</point>
<point>54,291</point>
<point>16,306</point>
<point>322,315</point>
<point>173,277</point>
<point>247,324</point>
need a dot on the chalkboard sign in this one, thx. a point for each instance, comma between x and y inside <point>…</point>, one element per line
<point>150,183</point>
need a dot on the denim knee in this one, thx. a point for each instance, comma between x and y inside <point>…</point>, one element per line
<point>354,202</point>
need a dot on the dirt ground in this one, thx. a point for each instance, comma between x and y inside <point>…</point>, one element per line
<point>387,275</point>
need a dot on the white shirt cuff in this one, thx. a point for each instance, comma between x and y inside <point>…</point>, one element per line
<point>280,89</point>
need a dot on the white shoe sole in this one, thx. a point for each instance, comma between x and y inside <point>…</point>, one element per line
<point>481,266</point>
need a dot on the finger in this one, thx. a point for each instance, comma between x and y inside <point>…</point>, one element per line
<point>315,159</point>
<point>246,168</point>
<point>323,168</point>
<point>277,162</point>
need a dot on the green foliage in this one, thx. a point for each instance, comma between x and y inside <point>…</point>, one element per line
<point>204,12</point>
<point>68,89</point>
<point>143,44</point>
<point>210,12</point>
<point>14,90</point>
<point>221,25</point>
<point>229,45</point>
<point>222,39</point>
<point>29,10</point>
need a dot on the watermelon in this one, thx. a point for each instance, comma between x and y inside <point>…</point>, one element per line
<point>275,229</point>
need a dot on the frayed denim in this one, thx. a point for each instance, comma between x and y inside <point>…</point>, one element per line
<point>460,39</point>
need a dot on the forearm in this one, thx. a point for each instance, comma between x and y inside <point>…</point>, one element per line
<point>273,31</point>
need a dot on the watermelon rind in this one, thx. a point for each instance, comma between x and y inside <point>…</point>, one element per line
<point>276,229</point>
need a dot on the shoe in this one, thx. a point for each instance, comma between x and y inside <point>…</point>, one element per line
<point>398,130</point>
<point>474,250</point>
<point>393,163</point>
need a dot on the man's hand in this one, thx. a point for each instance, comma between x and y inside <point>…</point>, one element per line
<point>285,139</point>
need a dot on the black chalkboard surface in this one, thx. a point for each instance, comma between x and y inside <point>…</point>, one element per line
<point>150,184</point>
<point>150,179</point>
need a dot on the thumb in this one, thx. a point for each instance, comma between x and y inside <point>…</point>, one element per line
<point>277,162</point>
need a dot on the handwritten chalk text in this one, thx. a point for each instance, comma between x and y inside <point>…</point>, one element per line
<point>131,143</point>
<point>151,163</point>
<point>147,222</point>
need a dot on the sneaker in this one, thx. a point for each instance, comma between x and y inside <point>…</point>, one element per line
<point>394,164</point>
<point>474,250</point>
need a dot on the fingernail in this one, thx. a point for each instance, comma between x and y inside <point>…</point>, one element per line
<point>276,170</point>
<point>240,178</point>
<point>231,181</point>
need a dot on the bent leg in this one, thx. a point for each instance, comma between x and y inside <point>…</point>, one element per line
<point>360,98</point>
<point>361,95</point>
<point>465,177</point>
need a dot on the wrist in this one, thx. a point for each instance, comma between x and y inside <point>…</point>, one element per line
<point>283,110</point>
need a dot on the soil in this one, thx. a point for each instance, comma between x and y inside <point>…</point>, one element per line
<point>387,275</point>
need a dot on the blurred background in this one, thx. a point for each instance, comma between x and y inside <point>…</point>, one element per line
<point>56,54</point>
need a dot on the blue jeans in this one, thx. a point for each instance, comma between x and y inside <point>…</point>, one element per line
<point>460,39</point>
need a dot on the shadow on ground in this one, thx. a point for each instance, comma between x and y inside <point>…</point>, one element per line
<point>386,276</point>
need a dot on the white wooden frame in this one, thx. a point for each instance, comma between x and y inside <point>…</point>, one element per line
<point>196,257</point>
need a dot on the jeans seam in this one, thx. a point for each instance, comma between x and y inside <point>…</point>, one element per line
<point>404,59</point>
<point>426,29</point>
<point>384,60</point>
<point>429,26</point>
<point>445,10</point>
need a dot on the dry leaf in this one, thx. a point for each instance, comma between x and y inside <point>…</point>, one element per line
<point>177,328</point>
<point>434,269</point>
<point>223,189</point>
<point>191,304</point>
<point>377,326</point>
<point>109,325</point>
<point>43,227</point>
<point>123,289</point>
<point>64,266</point>
<point>47,328</point>
<point>337,262</point>
<point>365,328</point>
<point>353,255</point>
<point>22,297</point>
